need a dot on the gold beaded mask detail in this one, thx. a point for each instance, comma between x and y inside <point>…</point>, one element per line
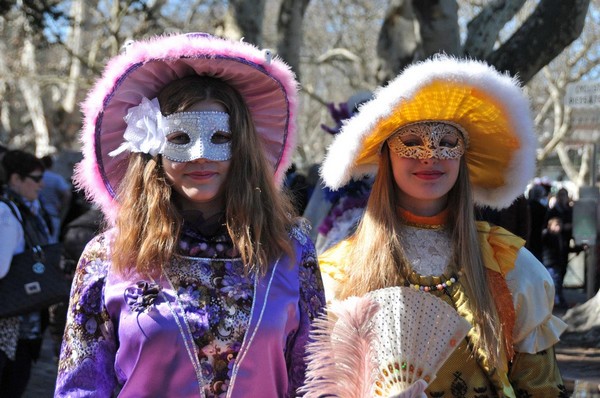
<point>426,140</point>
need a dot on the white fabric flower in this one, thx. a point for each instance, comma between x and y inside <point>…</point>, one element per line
<point>144,132</point>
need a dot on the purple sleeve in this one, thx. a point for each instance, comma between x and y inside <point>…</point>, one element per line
<point>311,304</point>
<point>86,366</point>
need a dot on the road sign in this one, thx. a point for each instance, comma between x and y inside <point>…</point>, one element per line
<point>584,94</point>
<point>585,126</point>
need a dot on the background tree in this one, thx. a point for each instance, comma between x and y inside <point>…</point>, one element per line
<point>553,119</point>
<point>336,47</point>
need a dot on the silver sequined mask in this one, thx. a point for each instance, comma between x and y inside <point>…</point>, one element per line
<point>426,140</point>
<point>195,135</point>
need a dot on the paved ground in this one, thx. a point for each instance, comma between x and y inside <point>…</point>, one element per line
<point>577,360</point>
<point>43,374</point>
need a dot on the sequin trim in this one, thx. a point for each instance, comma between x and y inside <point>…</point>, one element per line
<point>248,342</point>
<point>200,128</point>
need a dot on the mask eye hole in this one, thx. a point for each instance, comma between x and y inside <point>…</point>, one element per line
<point>178,138</point>
<point>411,140</point>
<point>220,137</point>
<point>449,141</point>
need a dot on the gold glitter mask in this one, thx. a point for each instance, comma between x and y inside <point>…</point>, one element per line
<point>426,140</point>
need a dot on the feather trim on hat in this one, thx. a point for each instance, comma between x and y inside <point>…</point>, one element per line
<point>163,59</point>
<point>354,152</point>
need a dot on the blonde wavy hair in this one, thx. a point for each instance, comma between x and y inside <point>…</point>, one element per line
<point>378,260</point>
<point>258,216</point>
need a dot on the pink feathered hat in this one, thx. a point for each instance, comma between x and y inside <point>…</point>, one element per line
<point>267,85</point>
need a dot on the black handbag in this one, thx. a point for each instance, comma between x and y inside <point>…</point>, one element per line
<point>34,280</point>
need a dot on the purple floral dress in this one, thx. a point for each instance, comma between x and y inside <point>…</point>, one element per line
<point>203,329</point>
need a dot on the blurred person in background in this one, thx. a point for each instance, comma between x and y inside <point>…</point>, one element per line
<point>55,196</point>
<point>3,150</point>
<point>334,214</point>
<point>537,199</point>
<point>21,336</point>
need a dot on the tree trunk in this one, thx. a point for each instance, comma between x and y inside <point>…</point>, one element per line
<point>399,42</point>
<point>289,31</point>
<point>29,86</point>
<point>483,30</point>
<point>70,97</point>
<point>438,25</point>
<point>551,27</point>
<point>5,127</point>
<point>415,30</point>
<point>249,16</point>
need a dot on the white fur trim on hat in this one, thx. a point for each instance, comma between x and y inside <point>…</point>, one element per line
<point>343,156</point>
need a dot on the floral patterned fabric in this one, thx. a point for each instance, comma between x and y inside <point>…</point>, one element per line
<point>217,299</point>
<point>197,331</point>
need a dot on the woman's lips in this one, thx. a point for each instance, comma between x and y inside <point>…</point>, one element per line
<point>428,174</point>
<point>201,175</point>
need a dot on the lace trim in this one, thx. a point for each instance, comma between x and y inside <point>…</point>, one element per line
<point>426,250</point>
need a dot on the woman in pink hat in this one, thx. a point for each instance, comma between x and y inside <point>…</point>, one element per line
<point>203,285</point>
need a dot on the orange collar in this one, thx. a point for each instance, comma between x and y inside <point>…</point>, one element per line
<point>430,222</point>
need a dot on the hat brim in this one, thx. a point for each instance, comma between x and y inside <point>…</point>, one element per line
<point>268,87</point>
<point>490,107</point>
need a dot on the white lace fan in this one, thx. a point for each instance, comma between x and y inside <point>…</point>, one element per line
<point>416,333</point>
<point>389,343</point>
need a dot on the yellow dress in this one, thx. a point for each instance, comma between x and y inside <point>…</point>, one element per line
<point>528,367</point>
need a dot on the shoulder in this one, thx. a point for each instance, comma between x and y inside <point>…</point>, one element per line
<point>528,272</point>
<point>7,213</point>
<point>299,232</point>
<point>332,260</point>
<point>94,263</point>
<point>99,246</point>
<point>333,267</point>
<point>499,247</point>
<point>54,177</point>
<point>6,206</point>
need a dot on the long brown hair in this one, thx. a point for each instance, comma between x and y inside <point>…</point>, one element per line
<point>258,216</point>
<point>378,260</point>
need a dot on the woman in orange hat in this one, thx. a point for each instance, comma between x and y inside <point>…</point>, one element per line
<point>444,135</point>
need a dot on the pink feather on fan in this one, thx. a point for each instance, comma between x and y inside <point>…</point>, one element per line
<point>341,359</point>
<point>389,343</point>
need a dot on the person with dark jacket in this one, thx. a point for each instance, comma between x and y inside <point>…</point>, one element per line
<point>563,210</point>
<point>537,211</point>
<point>560,214</point>
<point>21,215</point>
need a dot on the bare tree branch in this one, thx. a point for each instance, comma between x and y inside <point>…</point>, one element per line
<point>289,31</point>
<point>483,30</point>
<point>338,53</point>
<point>553,26</point>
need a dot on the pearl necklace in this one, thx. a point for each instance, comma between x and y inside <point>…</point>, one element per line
<point>444,283</point>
